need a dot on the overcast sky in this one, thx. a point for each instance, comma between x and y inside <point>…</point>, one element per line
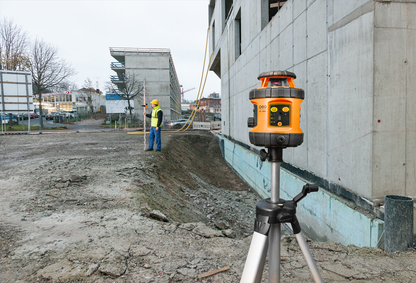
<point>83,31</point>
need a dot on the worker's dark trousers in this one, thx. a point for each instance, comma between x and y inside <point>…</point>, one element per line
<point>152,135</point>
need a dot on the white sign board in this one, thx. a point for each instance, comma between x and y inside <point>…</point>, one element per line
<point>15,92</point>
<point>114,104</point>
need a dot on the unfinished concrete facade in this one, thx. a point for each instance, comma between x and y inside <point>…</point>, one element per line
<point>355,60</point>
<point>156,67</point>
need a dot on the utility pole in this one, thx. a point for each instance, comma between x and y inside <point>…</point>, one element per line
<point>144,117</point>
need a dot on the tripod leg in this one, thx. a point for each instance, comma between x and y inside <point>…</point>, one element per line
<point>308,257</point>
<point>274,253</point>
<point>253,269</point>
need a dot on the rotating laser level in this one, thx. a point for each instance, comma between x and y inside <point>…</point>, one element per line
<point>276,125</point>
<point>276,121</point>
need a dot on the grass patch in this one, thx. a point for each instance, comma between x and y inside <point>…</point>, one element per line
<point>32,128</point>
<point>122,125</point>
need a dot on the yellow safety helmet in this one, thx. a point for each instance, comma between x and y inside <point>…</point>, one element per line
<point>155,101</point>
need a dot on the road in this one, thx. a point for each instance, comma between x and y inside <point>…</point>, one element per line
<point>84,125</point>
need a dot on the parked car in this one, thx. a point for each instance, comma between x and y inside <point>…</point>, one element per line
<point>5,119</point>
<point>69,115</point>
<point>33,115</point>
<point>49,116</point>
<point>177,124</point>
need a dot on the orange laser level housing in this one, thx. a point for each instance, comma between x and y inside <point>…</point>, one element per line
<point>276,121</point>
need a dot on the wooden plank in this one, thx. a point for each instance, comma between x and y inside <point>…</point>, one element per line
<point>213,272</point>
<point>277,5</point>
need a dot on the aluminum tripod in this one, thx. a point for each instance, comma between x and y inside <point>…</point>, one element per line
<point>270,213</point>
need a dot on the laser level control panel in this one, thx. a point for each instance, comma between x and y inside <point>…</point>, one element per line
<point>279,115</point>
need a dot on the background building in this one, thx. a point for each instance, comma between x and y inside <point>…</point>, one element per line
<point>156,67</point>
<point>63,101</point>
<point>209,105</point>
<point>355,60</point>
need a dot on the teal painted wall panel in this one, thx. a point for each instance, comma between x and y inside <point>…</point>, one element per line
<point>323,215</point>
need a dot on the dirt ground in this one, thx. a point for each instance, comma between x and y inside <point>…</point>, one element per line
<point>94,207</point>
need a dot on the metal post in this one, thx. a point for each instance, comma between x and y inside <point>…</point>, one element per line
<point>110,121</point>
<point>27,99</point>
<point>77,117</point>
<point>144,116</point>
<point>275,229</point>
<point>40,122</point>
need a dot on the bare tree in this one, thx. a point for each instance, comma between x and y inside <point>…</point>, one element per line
<point>48,71</point>
<point>127,88</point>
<point>88,91</point>
<point>13,45</point>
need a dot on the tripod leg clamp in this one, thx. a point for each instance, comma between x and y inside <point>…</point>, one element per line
<point>262,225</point>
<point>295,225</point>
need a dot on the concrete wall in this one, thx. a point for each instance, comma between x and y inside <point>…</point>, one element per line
<point>356,61</point>
<point>343,55</point>
<point>394,137</point>
<point>155,69</point>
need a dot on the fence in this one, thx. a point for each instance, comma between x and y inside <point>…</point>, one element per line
<point>214,125</point>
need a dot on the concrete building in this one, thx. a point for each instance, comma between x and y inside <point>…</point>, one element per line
<point>156,67</point>
<point>214,95</point>
<point>356,61</point>
<point>209,105</point>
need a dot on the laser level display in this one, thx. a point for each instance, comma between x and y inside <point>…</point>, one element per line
<point>276,113</point>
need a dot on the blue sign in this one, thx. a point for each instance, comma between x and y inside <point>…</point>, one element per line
<point>113,96</point>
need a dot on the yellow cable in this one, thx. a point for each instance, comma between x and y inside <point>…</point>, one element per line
<point>200,83</point>
<point>199,101</point>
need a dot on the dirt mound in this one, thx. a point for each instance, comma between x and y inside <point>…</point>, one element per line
<point>196,185</point>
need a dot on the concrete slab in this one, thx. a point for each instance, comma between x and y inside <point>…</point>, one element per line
<point>299,39</point>
<point>317,115</point>
<point>316,28</point>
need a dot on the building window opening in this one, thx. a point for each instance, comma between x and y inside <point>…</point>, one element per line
<point>237,31</point>
<point>274,7</point>
<point>228,8</point>
<point>213,36</point>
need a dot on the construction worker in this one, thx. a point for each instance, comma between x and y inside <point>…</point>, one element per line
<point>157,116</point>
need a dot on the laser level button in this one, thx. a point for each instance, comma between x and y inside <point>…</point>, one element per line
<point>281,139</point>
<point>273,109</point>
<point>285,109</point>
<point>279,124</point>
